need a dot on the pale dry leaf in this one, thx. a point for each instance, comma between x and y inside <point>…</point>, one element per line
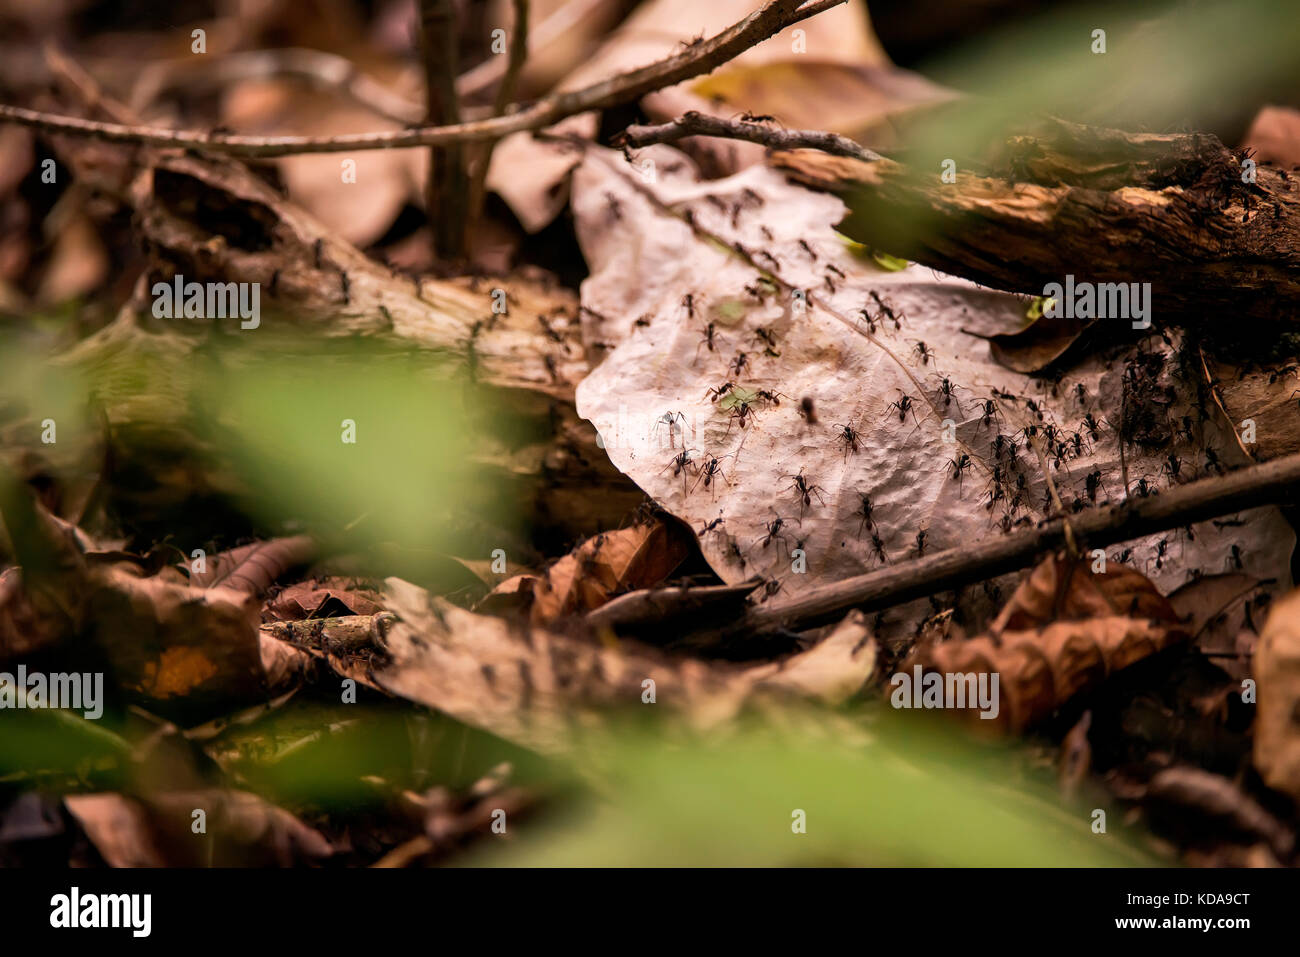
<point>659,278</point>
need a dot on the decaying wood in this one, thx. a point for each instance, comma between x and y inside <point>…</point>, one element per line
<point>1102,205</point>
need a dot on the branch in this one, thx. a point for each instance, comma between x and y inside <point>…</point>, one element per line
<point>697,124</point>
<point>445,198</point>
<point>1265,484</point>
<point>695,60</point>
<point>517,55</point>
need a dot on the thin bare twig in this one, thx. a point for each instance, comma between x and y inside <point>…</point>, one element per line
<point>446,197</point>
<point>505,95</point>
<point>1264,484</point>
<point>697,124</point>
<point>696,59</point>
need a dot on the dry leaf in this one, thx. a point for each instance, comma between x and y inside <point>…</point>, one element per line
<point>599,568</point>
<point>1064,631</point>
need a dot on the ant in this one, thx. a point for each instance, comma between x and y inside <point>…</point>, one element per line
<point>1078,445</point>
<point>670,419</point>
<point>865,513</point>
<point>924,351</point>
<point>959,465</point>
<point>738,363</point>
<point>803,244</point>
<point>711,468</point>
<point>1212,461</point>
<point>768,338</point>
<point>1080,393</point>
<point>888,310</point>
<point>1119,558</point>
<point>949,396</point>
<point>748,117</point>
<point>773,531</point>
<point>1234,559</point>
<point>1145,488</point>
<point>688,301</point>
<point>1093,480</point>
<point>849,436</point>
<point>921,537</point>
<point>710,339</point>
<point>1092,426</point>
<point>643,321</point>
<point>871,323</point>
<point>807,410</point>
<point>710,526</point>
<point>1162,547</point>
<point>1172,466</point>
<point>680,463</point>
<point>720,391</point>
<point>768,395</point>
<point>903,405</point>
<point>770,588</point>
<point>805,490</point>
<point>741,411</point>
<point>879,546</point>
<point>990,409</point>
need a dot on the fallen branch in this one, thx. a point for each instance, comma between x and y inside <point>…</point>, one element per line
<point>696,59</point>
<point>1265,484</point>
<point>753,131</point>
<point>1179,211</point>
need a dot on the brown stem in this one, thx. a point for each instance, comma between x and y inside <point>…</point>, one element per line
<point>697,124</point>
<point>505,95</point>
<point>1268,483</point>
<point>446,197</point>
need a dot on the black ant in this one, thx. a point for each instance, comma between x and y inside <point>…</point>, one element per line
<point>767,395</point>
<point>871,323</point>
<point>959,465</point>
<point>903,405</point>
<point>1091,424</point>
<point>688,301</point>
<point>849,436</point>
<point>921,538</point>
<point>807,410</point>
<point>990,409</point>
<point>1172,466</point>
<point>748,117</point>
<point>1212,461</point>
<point>1092,481</point>
<point>946,390</point>
<point>865,513</point>
<point>643,321</point>
<point>1080,393</point>
<point>1234,559</point>
<point>1119,558</point>
<point>887,309</point>
<point>680,464</point>
<point>738,363</point>
<point>768,338</point>
<point>710,339</point>
<point>805,490</point>
<point>773,531</point>
<point>803,244</point>
<point>710,526</point>
<point>1146,489</point>
<point>879,546</point>
<point>924,351</point>
<point>711,468</point>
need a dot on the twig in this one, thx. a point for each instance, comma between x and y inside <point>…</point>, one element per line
<point>697,124</point>
<point>446,197</point>
<point>505,95</point>
<point>1264,484</point>
<point>695,60</point>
